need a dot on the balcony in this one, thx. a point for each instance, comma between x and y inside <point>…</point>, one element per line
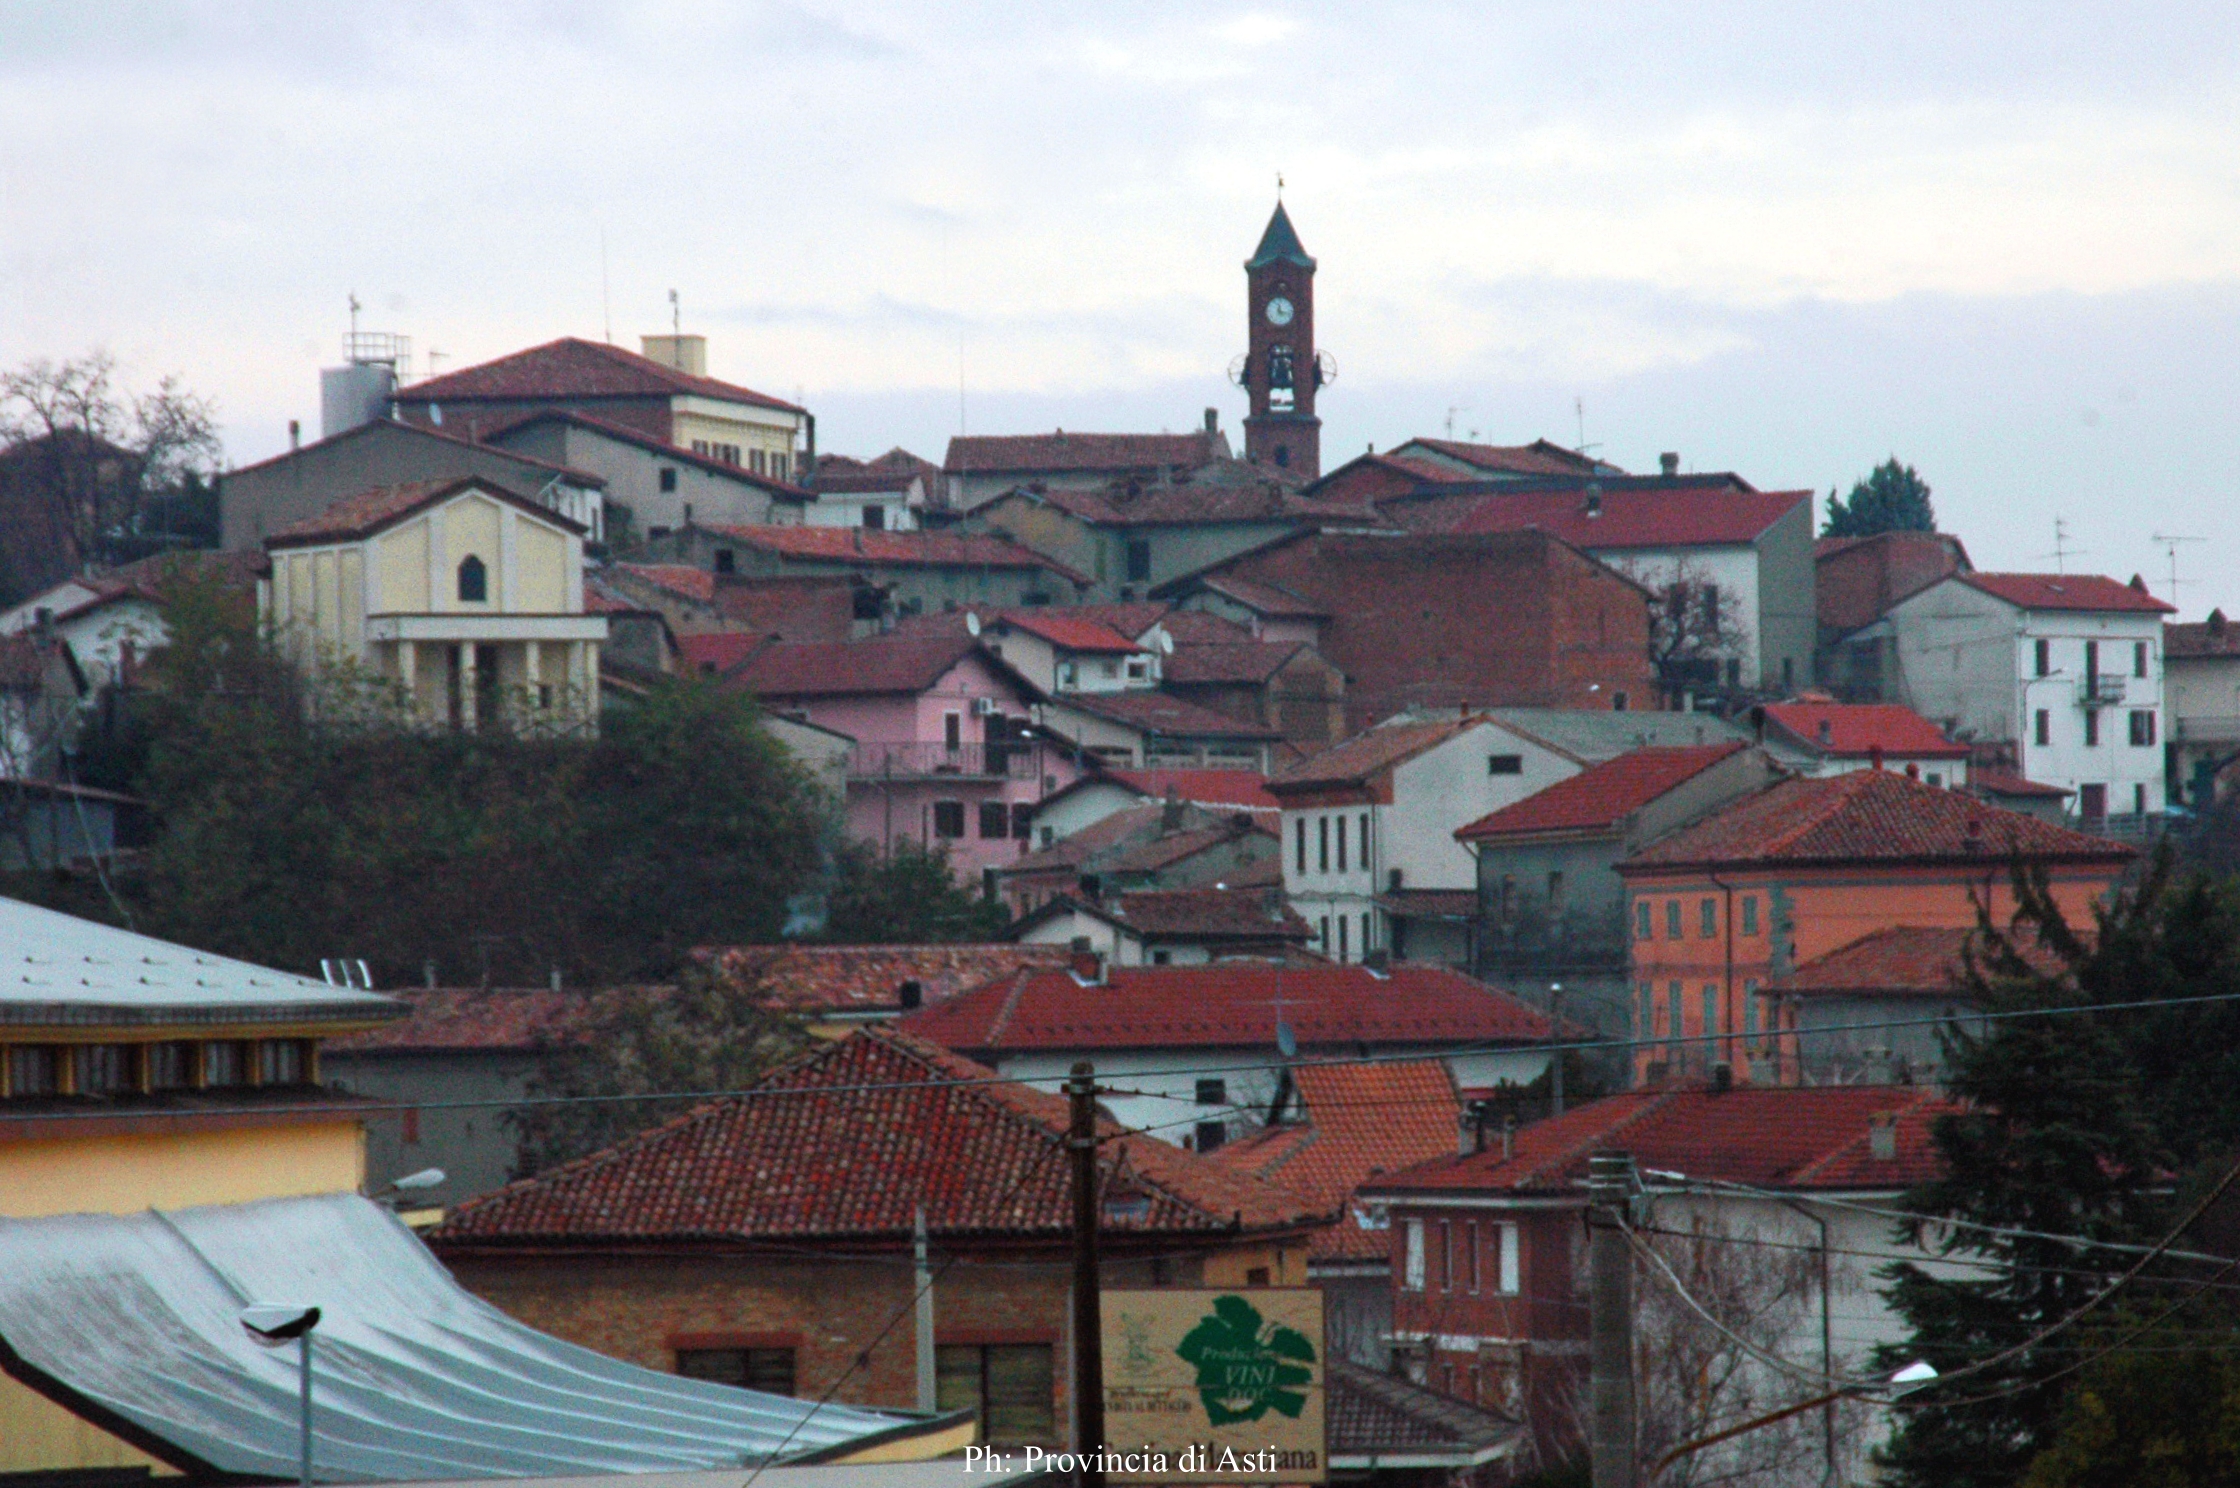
<point>2100,690</point>
<point>918,761</point>
<point>2210,728</point>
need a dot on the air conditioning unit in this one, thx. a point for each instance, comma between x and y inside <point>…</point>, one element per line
<point>983,707</point>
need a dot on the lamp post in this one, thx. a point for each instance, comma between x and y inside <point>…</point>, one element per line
<point>1912,1377</point>
<point>273,1327</point>
<point>1555,1070</point>
<point>410,1183</point>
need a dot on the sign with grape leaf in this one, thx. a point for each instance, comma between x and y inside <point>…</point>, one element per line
<point>1226,1386</point>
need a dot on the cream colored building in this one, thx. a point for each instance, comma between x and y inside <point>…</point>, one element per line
<point>463,596</point>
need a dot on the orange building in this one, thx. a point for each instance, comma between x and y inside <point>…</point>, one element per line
<point>1721,910</point>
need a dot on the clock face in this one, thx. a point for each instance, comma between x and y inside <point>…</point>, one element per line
<point>1279,311</point>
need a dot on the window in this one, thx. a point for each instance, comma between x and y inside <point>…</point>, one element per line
<point>1344,925</point>
<point>1505,764</point>
<point>1645,1017</point>
<point>1010,1386</point>
<point>995,821</point>
<point>2092,658</point>
<point>727,561</point>
<point>2092,801</point>
<point>1749,914</point>
<point>1322,834</point>
<point>2044,658</point>
<point>2042,730</point>
<point>1162,958</point>
<point>170,1066</point>
<point>32,1070</point>
<point>102,1069</point>
<point>1299,836</point>
<point>1935,778</point>
<point>1672,919</point>
<point>754,461</point>
<point>1364,932</point>
<point>668,477</point>
<point>1510,1270</point>
<point>1446,1255</point>
<point>1213,1092</point>
<point>1022,822</point>
<point>2091,727</point>
<point>769,1370</point>
<point>1644,921</point>
<point>1411,1259</point>
<point>948,819</point>
<point>2139,799</point>
<point>1209,1136</point>
<point>1710,597</point>
<point>2142,727</point>
<point>281,1062</point>
<point>1363,841</point>
<point>474,581</point>
<point>1707,919</point>
<point>1672,1010</point>
<point>1139,560</point>
<point>2138,658</point>
<point>1341,844</point>
<point>952,731</point>
<point>1555,895</point>
<point>1710,1009</point>
<point>1507,908</point>
<point>222,1064</point>
<point>1750,1006</point>
<point>1256,1276</point>
<point>1618,698</point>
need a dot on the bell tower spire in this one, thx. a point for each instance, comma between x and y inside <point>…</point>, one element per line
<point>1281,372</point>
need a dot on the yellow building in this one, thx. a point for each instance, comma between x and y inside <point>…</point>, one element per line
<point>135,1075</point>
<point>463,596</point>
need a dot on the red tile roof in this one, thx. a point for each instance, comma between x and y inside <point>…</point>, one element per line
<point>369,512</point>
<point>1224,492</point>
<point>714,653</point>
<point>2066,592</point>
<point>1355,1123</point>
<point>1061,452</point>
<point>1265,599</point>
<point>1859,729</point>
<point>392,427</point>
<point>1212,788</point>
<point>677,578</point>
<point>1245,662</point>
<point>893,549</point>
<point>574,368</point>
<point>1657,517</point>
<point>1860,578</point>
<point>1161,713</point>
<point>2006,783</point>
<point>640,439</point>
<point>1070,632</point>
<point>1537,458</point>
<point>1905,960</point>
<point>1599,797</point>
<point>2212,637</point>
<point>469,1020</point>
<point>1212,913</point>
<point>789,669</point>
<point>1368,754</point>
<point>1203,628</point>
<point>851,1141</point>
<point>1138,840</point>
<point>1781,1137</point>
<point>868,978</point>
<point>1231,1004</point>
<point>1870,816</point>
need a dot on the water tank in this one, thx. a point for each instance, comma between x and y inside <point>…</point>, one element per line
<point>356,394</point>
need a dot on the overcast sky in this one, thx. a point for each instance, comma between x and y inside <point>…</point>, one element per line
<point>2002,242</point>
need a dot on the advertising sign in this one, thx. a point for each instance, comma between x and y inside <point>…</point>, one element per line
<point>1214,1386</point>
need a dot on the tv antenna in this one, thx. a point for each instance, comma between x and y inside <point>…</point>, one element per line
<point>2062,552</point>
<point>1452,410</point>
<point>676,315</point>
<point>1579,411</point>
<point>355,307</point>
<point>2169,543</point>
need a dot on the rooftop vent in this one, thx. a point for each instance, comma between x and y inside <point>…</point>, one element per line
<point>1669,463</point>
<point>1882,1136</point>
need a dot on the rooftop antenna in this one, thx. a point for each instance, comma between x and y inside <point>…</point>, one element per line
<point>2170,547</point>
<point>1452,410</point>
<point>1279,187</point>
<point>606,292</point>
<point>2062,552</point>
<point>676,315</point>
<point>354,308</point>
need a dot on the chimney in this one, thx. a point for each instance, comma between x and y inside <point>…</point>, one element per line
<point>1213,421</point>
<point>1508,1136</point>
<point>1170,812</point>
<point>1971,836</point>
<point>1913,769</point>
<point>2216,622</point>
<point>1874,755</point>
<point>1668,464</point>
<point>1088,965</point>
<point>428,972</point>
<point>295,435</point>
<point>1882,1136</point>
<point>1722,1077</point>
<point>555,978</point>
<point>910,996</point>
<point>687,354</point>
<point>1593,507</point>
<point>1827,733</point>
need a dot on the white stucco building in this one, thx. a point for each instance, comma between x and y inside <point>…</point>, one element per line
<point>2065,668</point>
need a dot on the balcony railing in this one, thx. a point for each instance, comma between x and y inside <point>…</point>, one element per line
<point>2099,690</point>
<point>918,761</point>
<point>2212,728</point>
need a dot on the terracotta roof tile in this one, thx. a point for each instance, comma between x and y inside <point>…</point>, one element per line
<point>1369,753</point>
<point>2065,592</point>
<point>1858,729</point>
<point>816,1154</point>
<point>2006,783</point>
<point>1247,662</point>
<point>715,652</point>
<point>1656,517</point>
<point>1769,1136</point>
<point>1136,838</point>
<point>368,512</point>
<point>1210,788</point>
<point>2211,637</point>
<point>1265,599</point>
<point>1355,1122</point>
<point>1231,1004</point>
<point>858,545</point>
<point>1161,713</point>
<point>1070,632</point>
<point>1209,913</point>
<point>1387,1416</point>
<point>868,978</point>
<point>1901,960</point>
<point>1061,452</point>
<point>472,1020</point>
<point>1600,796</point>
<point>677,578</point>
<point>789,669</point>
<point>575,368</point>
<point>1870,816</point>
<point>1537,458</point>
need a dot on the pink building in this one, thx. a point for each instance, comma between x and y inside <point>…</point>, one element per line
<point>946,752</point>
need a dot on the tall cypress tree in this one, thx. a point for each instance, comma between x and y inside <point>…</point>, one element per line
<point>1891,498</point>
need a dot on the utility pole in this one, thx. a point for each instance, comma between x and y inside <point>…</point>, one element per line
<point>1610,1424</point>
<point>928,1392</point>
<point>1555,1070</point>
<point>1088,1318</point>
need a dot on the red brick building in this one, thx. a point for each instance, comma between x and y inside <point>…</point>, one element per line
<point>766,1239</point>
<point>1511,619</point>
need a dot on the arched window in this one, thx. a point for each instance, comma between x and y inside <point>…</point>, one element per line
<point>474,580</point>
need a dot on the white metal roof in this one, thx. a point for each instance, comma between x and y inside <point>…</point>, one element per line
<point>57,968</point>
<point>413,1378</point>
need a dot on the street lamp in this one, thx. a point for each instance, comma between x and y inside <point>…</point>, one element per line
<point>272,1327</point>
<point>419,1182</point>
<point>1555,1021</point>
<point>1913,1376</point>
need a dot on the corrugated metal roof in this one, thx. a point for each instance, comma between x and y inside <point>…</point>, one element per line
<point>56,968</point>
<point>413,1379</point>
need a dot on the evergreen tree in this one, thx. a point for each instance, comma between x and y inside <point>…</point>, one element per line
<point>1892,498</point>
<point>906,897</point>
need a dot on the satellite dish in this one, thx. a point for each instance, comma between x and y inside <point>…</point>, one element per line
<point>1287,1042</point>
<point>1166,644</point>
<point>1238,371</point>
<point>971,623</point>
<point>1325,369</point>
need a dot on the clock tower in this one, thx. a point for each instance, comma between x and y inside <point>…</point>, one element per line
<point>1280,372</point>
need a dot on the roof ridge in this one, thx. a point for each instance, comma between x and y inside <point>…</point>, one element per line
<point>1827,1160</point>
<point>1004,1014</point>
<point>1565,1156</point>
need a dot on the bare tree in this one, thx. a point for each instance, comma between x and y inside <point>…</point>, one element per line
<point>1696,637</point>
<point>84,459</point>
